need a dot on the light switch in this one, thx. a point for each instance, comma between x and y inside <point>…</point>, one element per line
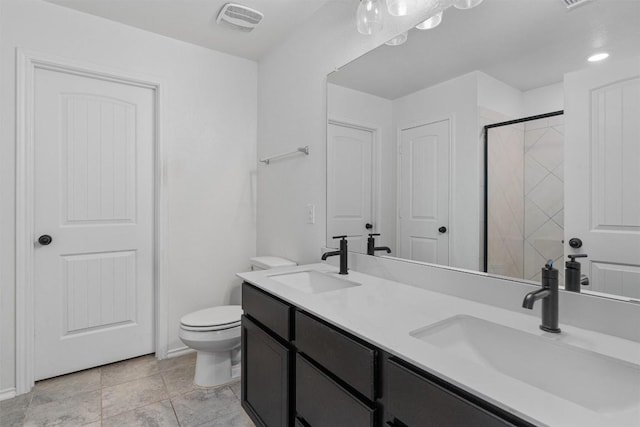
<point>311,214</point>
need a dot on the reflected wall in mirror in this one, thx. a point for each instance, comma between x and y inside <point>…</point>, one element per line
<point>405,148</point>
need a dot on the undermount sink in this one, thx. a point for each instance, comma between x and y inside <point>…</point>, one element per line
<point>597,382</point>
<point>313,282</point>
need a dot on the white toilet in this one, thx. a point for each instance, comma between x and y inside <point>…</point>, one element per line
<point>215,334</point>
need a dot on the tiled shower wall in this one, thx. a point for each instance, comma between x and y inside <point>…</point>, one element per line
<point>526,198</point>
<point>506,201</point>
<point>543,195</point>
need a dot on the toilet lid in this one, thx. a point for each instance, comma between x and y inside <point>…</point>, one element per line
<point>224,315</point>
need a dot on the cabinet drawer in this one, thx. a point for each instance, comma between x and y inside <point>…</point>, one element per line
<point>269,311</point>
<point>321,402</point>
<point>416,401</point>
<point>352,362</point>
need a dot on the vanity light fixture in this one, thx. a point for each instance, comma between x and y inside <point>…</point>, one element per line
<point>598,57</point>
<point>431,23</point>
<point>403,7</point>
<point>368,17</point>
<point>398,40</point>
<point>466,4</point>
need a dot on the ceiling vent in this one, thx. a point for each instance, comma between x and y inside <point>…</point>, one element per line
<point>574,3</point>
<point>239,17</point>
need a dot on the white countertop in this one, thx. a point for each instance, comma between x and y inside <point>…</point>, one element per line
<point>384,312</point>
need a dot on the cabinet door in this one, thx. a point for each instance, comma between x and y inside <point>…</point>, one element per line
<point>322,402</point>
<point>412,400</point>
<point>265,377</point>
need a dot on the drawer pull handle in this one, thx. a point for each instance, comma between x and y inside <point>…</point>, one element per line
<point>396,423</point>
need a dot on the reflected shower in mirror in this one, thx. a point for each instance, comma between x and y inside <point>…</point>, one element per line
<point>524,196</point>
<point>405,142</point>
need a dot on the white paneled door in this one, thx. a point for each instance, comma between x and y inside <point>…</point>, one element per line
<point>349,191</point>
<point>423,220</point>
<point>94,221</point>
<point>602,174</point>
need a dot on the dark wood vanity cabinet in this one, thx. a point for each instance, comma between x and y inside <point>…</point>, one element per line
<point>298,370</point>
<point>267,358</point>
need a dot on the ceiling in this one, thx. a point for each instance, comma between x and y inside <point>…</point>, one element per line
<point>524,43</point>
<point>194,21</point>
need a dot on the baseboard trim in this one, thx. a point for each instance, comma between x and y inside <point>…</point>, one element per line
<point>180,351</point>
<point>8,393</point>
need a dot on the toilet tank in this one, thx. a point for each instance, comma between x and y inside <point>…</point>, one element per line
<point>268,262</point>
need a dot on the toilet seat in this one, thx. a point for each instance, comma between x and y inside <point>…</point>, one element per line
<point>210,328</point>
<point>212,319</point>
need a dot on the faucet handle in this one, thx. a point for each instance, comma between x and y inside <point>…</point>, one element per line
<point>574,256</point>
<point>373,234</point>
<point>340,237</point>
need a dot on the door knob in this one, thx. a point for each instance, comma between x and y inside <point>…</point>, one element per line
<point>368,226</point>
<point>442,229</point>
<point>575,243</point>
<point>584,280</point>
<point>45,240</point>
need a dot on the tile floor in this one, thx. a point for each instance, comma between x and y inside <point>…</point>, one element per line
<point>137,392</point>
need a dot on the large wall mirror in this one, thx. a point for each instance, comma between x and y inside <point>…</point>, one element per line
<point>407,128</point>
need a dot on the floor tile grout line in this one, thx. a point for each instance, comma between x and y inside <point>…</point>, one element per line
<point>30,400</point>
<point>147,404</point>
<point>131,380</point>
<point>138,408</point>
<point>101,389</point>
<point>101,399</point>
<point>175,414</point>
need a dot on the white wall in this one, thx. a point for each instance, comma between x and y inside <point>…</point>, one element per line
<point>543,100</point>
<point>209,131</point>
<point>498,96</point>
<point>355,107</point>
<point>455,99</point>
<point>291,113</point>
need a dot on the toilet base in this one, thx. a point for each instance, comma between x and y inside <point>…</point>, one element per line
<point>236,371</point>
<point>212,369</point>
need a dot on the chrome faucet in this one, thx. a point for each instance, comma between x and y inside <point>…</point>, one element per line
<point>342,252</point>
<point>549,296</point>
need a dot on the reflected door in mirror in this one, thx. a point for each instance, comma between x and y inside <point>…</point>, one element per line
<point>602,173</point>
<point>424,193</point>
<point>349,178</point>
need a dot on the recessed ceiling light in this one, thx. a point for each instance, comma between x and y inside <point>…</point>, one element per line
<point>598,57</point>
